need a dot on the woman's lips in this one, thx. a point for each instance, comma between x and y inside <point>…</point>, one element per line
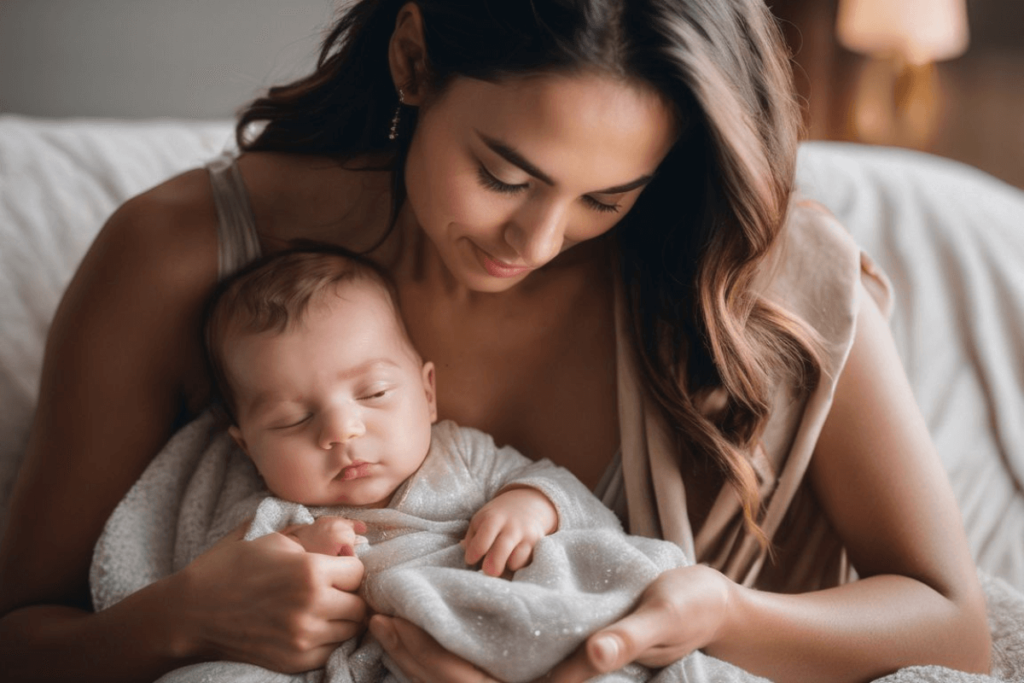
<point>496,268</point>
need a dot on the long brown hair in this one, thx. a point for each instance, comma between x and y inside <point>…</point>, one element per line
<point>700,234</point>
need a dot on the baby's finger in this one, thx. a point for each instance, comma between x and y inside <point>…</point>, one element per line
<point>479,540</point>
<point>520,556</point>
<point>497,556</point>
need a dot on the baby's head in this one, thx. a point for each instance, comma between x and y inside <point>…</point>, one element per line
<point>326,393</point>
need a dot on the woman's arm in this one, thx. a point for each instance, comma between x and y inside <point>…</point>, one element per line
<point>880,482</point>
<point>123,355</point>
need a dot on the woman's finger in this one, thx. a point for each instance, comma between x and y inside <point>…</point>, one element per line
<point>338,631</point>
<point>337,605</point>
<point>419,656</point>
<point>636,637</point>
<point>576,668</point>
<point>344,572</point>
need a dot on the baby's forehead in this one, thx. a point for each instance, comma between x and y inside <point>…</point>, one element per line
<point>345,299</point>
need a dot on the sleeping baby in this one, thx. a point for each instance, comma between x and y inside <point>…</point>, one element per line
<point>336,410</point>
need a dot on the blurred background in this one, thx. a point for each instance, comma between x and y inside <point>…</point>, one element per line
<point>942,76</point>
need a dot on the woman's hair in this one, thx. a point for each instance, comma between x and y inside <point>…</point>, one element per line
<point>698,236</point>
<point>273,295</point>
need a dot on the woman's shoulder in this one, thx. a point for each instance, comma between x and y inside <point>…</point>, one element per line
<point>819,273</point>
<point>166,230</point>
<point>314,198</point>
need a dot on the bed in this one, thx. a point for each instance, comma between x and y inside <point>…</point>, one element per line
<point>950,237</point>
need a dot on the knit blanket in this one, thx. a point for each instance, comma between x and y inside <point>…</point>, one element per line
<point>583,577</point>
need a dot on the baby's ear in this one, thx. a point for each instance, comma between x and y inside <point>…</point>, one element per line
<point>430,387</point>
<point>236,434</point>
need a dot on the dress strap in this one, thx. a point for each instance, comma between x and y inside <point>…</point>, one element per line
<point>237,240</point>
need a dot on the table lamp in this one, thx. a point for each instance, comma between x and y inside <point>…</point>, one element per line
<point>897,95</point>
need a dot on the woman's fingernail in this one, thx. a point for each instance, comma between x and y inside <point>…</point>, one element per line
<point>605,651</point>
<point>383,632</point>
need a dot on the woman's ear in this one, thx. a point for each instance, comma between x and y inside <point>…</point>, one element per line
<point>407,55</point>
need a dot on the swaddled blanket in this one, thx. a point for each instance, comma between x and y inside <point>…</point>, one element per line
<point>584,576</point>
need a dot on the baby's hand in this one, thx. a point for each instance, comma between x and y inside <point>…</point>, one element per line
<point>504,531</point>
<point>335,536</point>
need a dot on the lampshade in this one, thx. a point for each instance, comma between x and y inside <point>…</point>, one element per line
<point>918,31</point>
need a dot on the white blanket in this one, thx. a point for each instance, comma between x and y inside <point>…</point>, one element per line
<point>581,578</point>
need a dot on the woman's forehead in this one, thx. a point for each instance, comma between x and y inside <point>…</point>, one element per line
<point>590,116</point>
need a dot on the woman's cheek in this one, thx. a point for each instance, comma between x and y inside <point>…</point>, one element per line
<point>477,207</point>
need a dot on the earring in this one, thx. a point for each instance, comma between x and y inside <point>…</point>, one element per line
<point>393,135</point>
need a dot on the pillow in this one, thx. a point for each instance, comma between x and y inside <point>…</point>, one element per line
<point>59,181</point>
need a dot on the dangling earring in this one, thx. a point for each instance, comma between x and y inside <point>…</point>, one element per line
<point>393,135</point>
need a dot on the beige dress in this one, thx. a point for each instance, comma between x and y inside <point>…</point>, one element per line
<point>820,276</point>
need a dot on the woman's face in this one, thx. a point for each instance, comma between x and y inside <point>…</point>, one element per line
<point>503,177</point>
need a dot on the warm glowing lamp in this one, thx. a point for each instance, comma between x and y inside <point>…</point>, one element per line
<point>898,89</point>
<point>916,31</point>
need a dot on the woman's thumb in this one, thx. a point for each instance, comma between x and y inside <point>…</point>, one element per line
<point>606,652</point>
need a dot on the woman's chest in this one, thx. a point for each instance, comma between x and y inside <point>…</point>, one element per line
<point>540,378</point>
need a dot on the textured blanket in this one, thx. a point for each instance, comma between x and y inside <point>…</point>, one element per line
<point>581,578</point>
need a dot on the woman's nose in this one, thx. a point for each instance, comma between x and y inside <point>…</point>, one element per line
<point>339,425</point>
<point>537,233</point>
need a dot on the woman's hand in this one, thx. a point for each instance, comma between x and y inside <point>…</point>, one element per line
<point>271,603</point>
<point>335,536</point>
<point>681,611</point>
<point>420,657</point>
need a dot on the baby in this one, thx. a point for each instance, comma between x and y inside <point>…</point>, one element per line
<point>336,409</point>
<point>334,406</point>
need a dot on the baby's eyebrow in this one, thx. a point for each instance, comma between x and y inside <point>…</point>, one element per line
<point>366,366</point>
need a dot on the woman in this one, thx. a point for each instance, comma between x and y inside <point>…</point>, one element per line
<point>586,207</point>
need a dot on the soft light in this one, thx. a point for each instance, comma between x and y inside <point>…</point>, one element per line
<point>914,31</point>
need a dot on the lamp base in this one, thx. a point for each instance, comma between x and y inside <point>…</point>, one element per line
<point>896,103</point>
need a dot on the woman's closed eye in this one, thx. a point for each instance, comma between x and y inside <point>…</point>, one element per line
<point>490,182</point>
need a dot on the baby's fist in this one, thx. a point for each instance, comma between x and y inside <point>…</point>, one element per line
<point>504,531</point>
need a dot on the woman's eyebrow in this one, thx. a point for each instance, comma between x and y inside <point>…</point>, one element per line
<point>513,157</point>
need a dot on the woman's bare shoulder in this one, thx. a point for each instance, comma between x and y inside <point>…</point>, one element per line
<point>173,222</point>
<point>299,197</point>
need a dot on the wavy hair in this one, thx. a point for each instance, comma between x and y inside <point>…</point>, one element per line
<point>711,348</point>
